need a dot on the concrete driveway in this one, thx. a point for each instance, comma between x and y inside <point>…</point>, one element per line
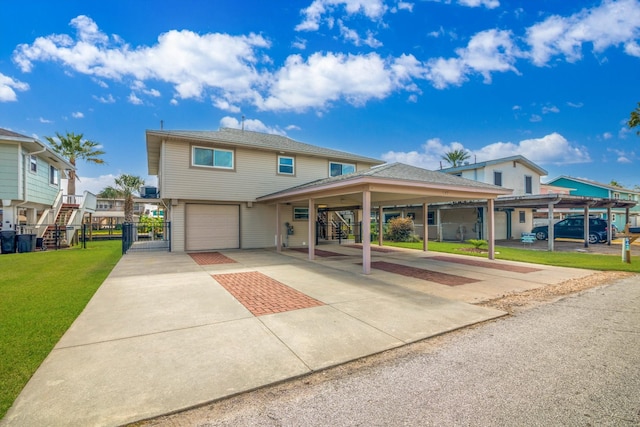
<point>169,331</point>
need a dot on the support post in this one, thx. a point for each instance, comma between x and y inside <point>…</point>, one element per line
<point>550,235</point>
<point>425,227</point>
<point>278,229</point>
<point>380,224</point>
<point>312,230</point>
<point>491,229</point>
<point>366,232</point>
<point>585,224</point>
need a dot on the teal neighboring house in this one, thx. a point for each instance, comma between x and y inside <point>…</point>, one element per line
<point>30,179</point>
<point>587,188</point>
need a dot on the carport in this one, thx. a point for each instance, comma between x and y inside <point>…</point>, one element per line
<point>563,201</point>
<point>386,185</point>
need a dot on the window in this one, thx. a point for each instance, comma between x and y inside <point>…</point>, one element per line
<point>337,169</point>
<point>616,195</point>
<point>528,185</point>
<point>33,164</point>
<point>53,175</point>
<point>300,214</point>
<point>497,178</point>
<point>522,216</point>
<point>286,165</point>
<point>431,220</point>
<point>213,157</point>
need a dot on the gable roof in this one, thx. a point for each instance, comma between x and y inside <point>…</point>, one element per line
<point>480,165</point>
<point>594,184</point>
<point>247,139</point>
<point>34,146</point>
<point>400,176</point>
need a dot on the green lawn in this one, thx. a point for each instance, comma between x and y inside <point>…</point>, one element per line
<point>41,294</point>
<point>561,259</point>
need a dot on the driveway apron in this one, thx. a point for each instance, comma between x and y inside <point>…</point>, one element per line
<point>171,331</point>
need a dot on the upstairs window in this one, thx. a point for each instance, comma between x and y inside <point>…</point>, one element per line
<point>497,178</point>
<point>212,157</point>
<point>616,195</point>
<point>528,185</point>
<point>33,164</point>
<point>337,169</point>
<point>53,175</point>
<point>286,165</point>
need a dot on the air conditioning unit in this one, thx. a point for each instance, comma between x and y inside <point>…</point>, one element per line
<point>147,192</point>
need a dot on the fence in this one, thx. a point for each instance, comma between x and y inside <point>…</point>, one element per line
<point>139,237</point>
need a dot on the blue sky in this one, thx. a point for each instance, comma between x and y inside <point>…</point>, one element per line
<point>553,80</point>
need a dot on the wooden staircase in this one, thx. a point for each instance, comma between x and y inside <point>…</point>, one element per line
<point>49,239</point>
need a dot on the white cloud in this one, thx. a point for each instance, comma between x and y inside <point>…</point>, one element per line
<point>133,99</point>
<point>174,102</point>
<point>313,14</point>
<point>43,120</point>
<point>535,118</point>
<point>109,99</point>
<point>77,115</point>
<point>250,124</point>
<point>550,149</point>
<point>489,4</point>
<point>226,106</point>
<point>353,37</point>
<point>550,109</point>
<point>575,104</point>
<point>193,63</point>
<point>403,5</point>
<point>607,135</point>
<point>325,78</point>
<point>8,87</point>
<point>610,24</point>
<point>487,52</point>
<point>299,43</point>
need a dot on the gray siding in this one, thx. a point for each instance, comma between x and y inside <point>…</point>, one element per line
<point>9,175</point>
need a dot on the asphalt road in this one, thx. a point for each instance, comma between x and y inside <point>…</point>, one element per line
<point>572,362</point>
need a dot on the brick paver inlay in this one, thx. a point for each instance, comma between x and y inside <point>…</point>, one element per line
<point>261,294</point>
<point>420,273</point>
<point>318,252</point>
<point>485,264</point>
<point>374,248</point>
<point>208,258</point>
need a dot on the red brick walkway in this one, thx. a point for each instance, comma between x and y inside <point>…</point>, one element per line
<point>420,273</point>
<point>318,252</point>
<point>485,264</point>
<point>374,248</point>
<point>208,258</point>
<point>261,294</point>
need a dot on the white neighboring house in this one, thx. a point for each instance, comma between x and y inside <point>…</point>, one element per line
<point>516,173</point>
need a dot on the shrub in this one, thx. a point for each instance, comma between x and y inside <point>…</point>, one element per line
<point>477,243</point>
<point>400,230</point>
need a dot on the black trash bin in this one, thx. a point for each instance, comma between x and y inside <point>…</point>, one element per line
<point>8,241</point>
<point>26,242</point>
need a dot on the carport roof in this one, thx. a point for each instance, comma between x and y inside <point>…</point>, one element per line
<point>392,182</point>
<point>542,201</point>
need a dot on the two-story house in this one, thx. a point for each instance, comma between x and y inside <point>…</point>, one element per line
<point>30,178</point>
<point>233,188</point>
<point>588,188</point>
<point>517,173</point>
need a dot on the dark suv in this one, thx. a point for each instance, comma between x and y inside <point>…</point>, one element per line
<point>573,228</point>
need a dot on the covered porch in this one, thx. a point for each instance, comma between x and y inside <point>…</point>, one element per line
<point>373,189</point>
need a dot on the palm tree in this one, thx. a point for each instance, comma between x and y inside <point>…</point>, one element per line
<point>456,157</point>
<point>634,119</point>
<point>73,148</point>
<point>128,185</point>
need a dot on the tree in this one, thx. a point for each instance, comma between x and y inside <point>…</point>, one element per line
<point>456,157</point>
<point>72,147</point>
<point>634,119</point>
<point>110,193</point>
<point>128,185</point>
<point>615,183</point>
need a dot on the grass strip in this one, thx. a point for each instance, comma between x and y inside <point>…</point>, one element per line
<point>41,294</point>
<point>588,261</point>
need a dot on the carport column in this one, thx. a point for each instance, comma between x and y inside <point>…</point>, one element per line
<point>278,229</point>
<point>585,224</point>
<point>550,230</point>
<point>380,225</point>
<point>312,230</point>
<point>491,229</point>
<point>609,231</point>
<point>425,227</point>
<point>366,232</point>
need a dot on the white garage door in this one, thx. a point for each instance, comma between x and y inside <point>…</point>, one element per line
<point>212,227</point>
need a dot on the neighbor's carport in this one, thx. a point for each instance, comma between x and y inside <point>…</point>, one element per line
<point>386,185</point>
<point>550,202</point>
